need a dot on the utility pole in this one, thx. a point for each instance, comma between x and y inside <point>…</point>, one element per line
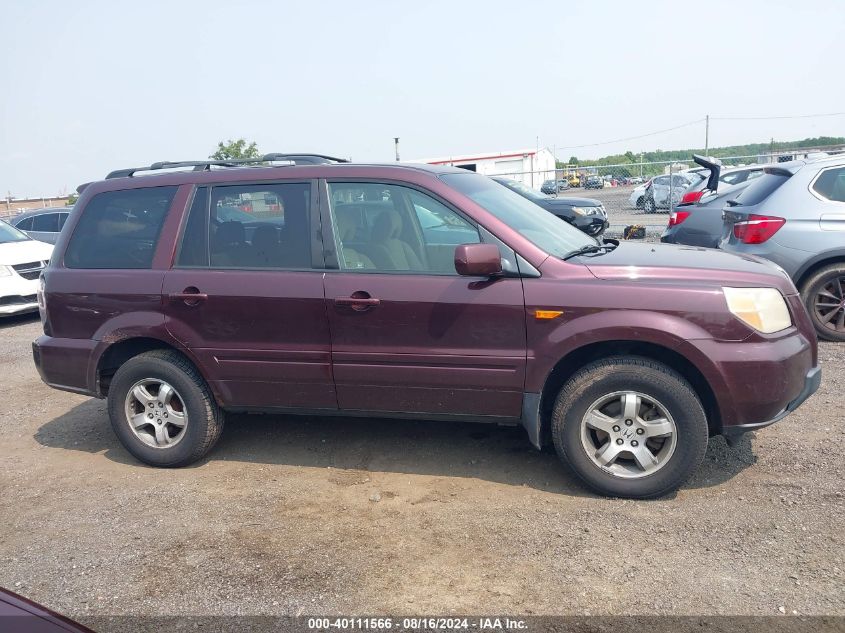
<point>706,134</point>
<point>396,145</point>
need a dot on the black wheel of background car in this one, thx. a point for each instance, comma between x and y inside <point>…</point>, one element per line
<point>649,206</point>
<point>824,296</point>
<point>162,410</point>
<point>630,427</point>
<point>640,201</point>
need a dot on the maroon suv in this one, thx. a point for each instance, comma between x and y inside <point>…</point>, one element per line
<point>409,290</point>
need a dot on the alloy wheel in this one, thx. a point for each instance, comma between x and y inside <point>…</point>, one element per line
<point>628,434</point>
<point>829,304</point>
<point>156,413</point>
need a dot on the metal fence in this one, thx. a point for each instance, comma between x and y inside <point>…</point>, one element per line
<point>621,187</point>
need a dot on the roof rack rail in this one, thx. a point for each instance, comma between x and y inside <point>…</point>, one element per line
<point>205,165</point>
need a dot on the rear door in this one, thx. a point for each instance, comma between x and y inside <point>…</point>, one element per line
<point>246,295</point>
<point>408,334</point>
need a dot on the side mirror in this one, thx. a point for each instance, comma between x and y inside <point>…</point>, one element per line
<point>478,260</point>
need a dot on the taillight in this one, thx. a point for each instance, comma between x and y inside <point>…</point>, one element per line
<point>691,197</point>
<point>757,228</point>
<point>676,217</point>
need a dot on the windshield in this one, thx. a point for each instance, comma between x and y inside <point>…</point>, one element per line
<point>543,229</point>
<point>8,233</point>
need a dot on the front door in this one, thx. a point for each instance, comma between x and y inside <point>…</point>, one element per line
<point>409,334</point>
<point>246,295</point>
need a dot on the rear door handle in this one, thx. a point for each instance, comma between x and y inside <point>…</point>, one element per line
<point>190,296</point>
<point>360,301</point>
<point>352,301</point>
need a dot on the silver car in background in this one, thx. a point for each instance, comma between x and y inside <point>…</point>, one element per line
<point>794,215</point>
<point>666,191</point>
<point>44,224</point>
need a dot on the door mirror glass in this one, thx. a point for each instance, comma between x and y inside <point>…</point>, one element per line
<point>478,260</point>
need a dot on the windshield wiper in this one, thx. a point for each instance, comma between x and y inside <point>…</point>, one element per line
<point>589,248</point>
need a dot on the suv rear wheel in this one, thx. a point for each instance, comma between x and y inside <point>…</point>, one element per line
<point>162,410</point>
<point>824,296</point>
<point>630,427</point>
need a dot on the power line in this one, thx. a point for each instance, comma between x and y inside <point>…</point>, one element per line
<point>773,118</point>
<point>632,138</point>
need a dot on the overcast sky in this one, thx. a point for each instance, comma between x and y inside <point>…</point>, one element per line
<point>91,86</point>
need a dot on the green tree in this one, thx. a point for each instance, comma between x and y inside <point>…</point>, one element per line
<point>235,149</point>
<point>573,160</point>
<point>71,199</point>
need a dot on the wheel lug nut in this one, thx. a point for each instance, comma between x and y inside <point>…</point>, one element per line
<point>620,441</point>
<point>634,443</point>
<point>165,414</point>
<point>628,422</point>
<point>616,428</point>
<point>149,415</point>
<point>640,431</point>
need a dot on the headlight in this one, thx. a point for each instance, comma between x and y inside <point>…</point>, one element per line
<point>5,271</point>
<point>764,309</point>
<point>585,210</point>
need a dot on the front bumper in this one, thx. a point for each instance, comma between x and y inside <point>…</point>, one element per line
<point>811,384</point>
<point>17,295</point>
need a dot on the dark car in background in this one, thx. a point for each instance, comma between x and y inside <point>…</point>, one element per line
<point>594,182</point>
<point>585,214</point>
<point>44,224</point>
<point>624,356</point>
<point>697,218</point>
<point>700,223</point>
<point>794,215</point>
<point>552,187</point>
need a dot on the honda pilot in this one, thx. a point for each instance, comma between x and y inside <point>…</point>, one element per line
<point>183,292</point>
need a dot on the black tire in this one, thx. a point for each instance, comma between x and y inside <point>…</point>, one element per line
<point>640,202</point>
<point>649,206</point>
<point>810,290</point>
<point>630,373</point>
<point>204,418</point>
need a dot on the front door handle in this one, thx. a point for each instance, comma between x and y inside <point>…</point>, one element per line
<point>190,296</point>
<point>359,301</point>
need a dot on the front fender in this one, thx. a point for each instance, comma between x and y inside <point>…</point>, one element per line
<point>549,343</point>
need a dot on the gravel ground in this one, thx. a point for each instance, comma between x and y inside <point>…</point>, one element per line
<point>303,516</point>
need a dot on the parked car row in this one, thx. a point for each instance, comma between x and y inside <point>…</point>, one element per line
<point>792,214</point>
<point>353,297</point>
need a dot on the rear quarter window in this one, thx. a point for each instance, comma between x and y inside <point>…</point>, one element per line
<point>831,184</point>
<point>761,188</point>
<point>119,229</point>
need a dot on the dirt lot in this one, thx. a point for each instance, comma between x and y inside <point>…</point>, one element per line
<point>293,516</point>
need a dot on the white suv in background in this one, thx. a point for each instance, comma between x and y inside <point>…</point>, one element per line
<point>21,261</point>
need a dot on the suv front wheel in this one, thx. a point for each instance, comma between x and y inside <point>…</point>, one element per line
<point>630,427</point>
<point>162,410</point>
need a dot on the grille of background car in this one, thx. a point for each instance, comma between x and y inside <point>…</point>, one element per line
<point>30,270</point>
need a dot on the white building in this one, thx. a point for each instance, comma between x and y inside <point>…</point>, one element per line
<point>529,166</point>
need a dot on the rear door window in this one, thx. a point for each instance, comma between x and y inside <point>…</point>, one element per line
<point>46,223</point>
<point>249,226</point>
<point>119,229</point>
